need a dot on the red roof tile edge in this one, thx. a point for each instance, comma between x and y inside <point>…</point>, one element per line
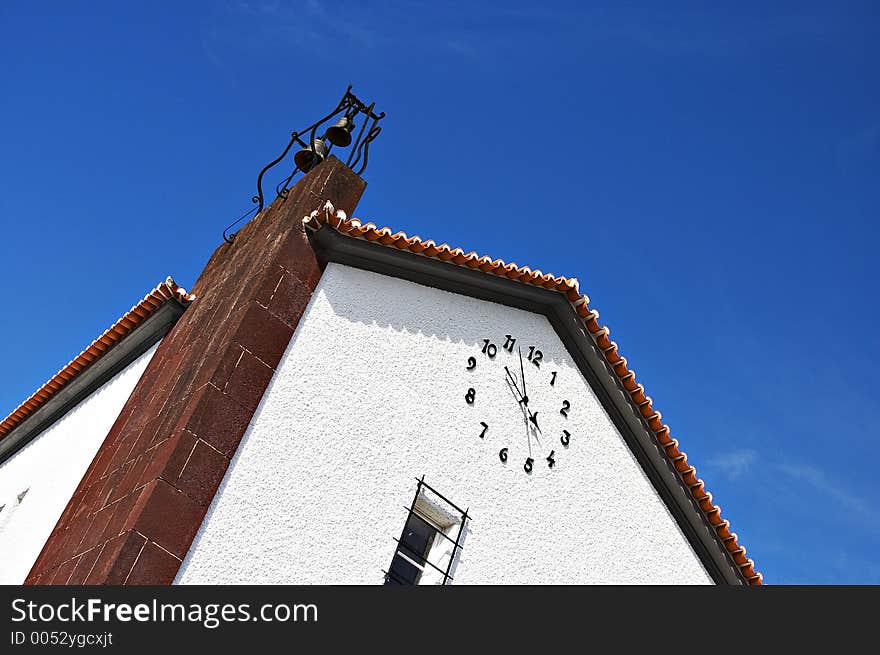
<point>590,317</point>
<point>166,291</point>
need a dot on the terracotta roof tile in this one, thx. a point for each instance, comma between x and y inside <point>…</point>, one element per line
<point>128,322</point>
<point>600,334</point>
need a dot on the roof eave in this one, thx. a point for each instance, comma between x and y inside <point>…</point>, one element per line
<point>130,337</point>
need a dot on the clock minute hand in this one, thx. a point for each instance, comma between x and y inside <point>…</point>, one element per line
<point>527,415</point>
<point>521,371</point>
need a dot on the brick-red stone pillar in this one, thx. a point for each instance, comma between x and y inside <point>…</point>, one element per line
<point>142,500</point>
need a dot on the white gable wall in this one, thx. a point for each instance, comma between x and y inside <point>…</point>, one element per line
<point>51,466</point>
<point>370,395</point>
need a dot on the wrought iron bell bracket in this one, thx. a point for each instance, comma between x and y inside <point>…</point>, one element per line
<point>314,149</point>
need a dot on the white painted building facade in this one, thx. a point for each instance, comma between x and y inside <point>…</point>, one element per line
<point>37,481</point>
<point>370,395</point>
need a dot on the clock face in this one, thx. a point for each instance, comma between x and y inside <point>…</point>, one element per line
<point>531,434</point>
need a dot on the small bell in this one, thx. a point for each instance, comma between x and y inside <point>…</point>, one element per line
<point>340,134</point>
<point>305,159</point>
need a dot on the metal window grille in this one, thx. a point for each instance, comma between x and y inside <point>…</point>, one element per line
<point>420,532</point>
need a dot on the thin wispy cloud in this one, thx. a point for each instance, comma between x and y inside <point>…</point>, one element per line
<point>834,490</point>
<point>735,463</point>
<point>474,30</point>
<point>796,488</point>
<point>307,24</point>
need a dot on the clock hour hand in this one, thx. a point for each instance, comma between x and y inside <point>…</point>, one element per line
<point>523,406</point>
<point>514,389</point>
<point>523,398</point>
<point>533,418</point>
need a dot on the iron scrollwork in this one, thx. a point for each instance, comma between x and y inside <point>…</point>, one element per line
<point>314,149</point>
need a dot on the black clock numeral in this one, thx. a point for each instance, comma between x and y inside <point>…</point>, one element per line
<point>565,407</point>
<point>508,345</point>
<point>527,467</point>
<point>502,454</point>
<point>553,379</point>
<point>535,356</point>
<point>470,396</point>
<point>472,363</point>
<point>489,349</point>
<point>550,460</point>
<point>485,427</point>
<point>565,438</point>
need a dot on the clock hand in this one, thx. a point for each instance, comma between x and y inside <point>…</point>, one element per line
<point>534,419</point>
<point>521,371</point>
<point>514,389</point>
<point>528,435</point>
<point>511,384</point>
<point>523,401</point>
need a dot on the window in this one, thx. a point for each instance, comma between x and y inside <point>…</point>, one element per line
<point>7,509</point>
<point>430,542</point>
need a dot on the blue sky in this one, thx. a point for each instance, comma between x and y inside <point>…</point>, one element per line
<point>711,176</point>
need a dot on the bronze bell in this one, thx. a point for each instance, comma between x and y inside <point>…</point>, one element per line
<point>305,160</point>
<point>340,134</point>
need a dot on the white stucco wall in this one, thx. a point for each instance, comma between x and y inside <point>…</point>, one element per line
<point>50,467</point>
<point>369,396</point>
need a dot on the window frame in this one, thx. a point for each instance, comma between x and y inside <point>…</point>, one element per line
<point>417,509</point>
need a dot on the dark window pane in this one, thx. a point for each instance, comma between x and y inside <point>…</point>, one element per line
<point>402,572</point>
<point>418,535</point>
